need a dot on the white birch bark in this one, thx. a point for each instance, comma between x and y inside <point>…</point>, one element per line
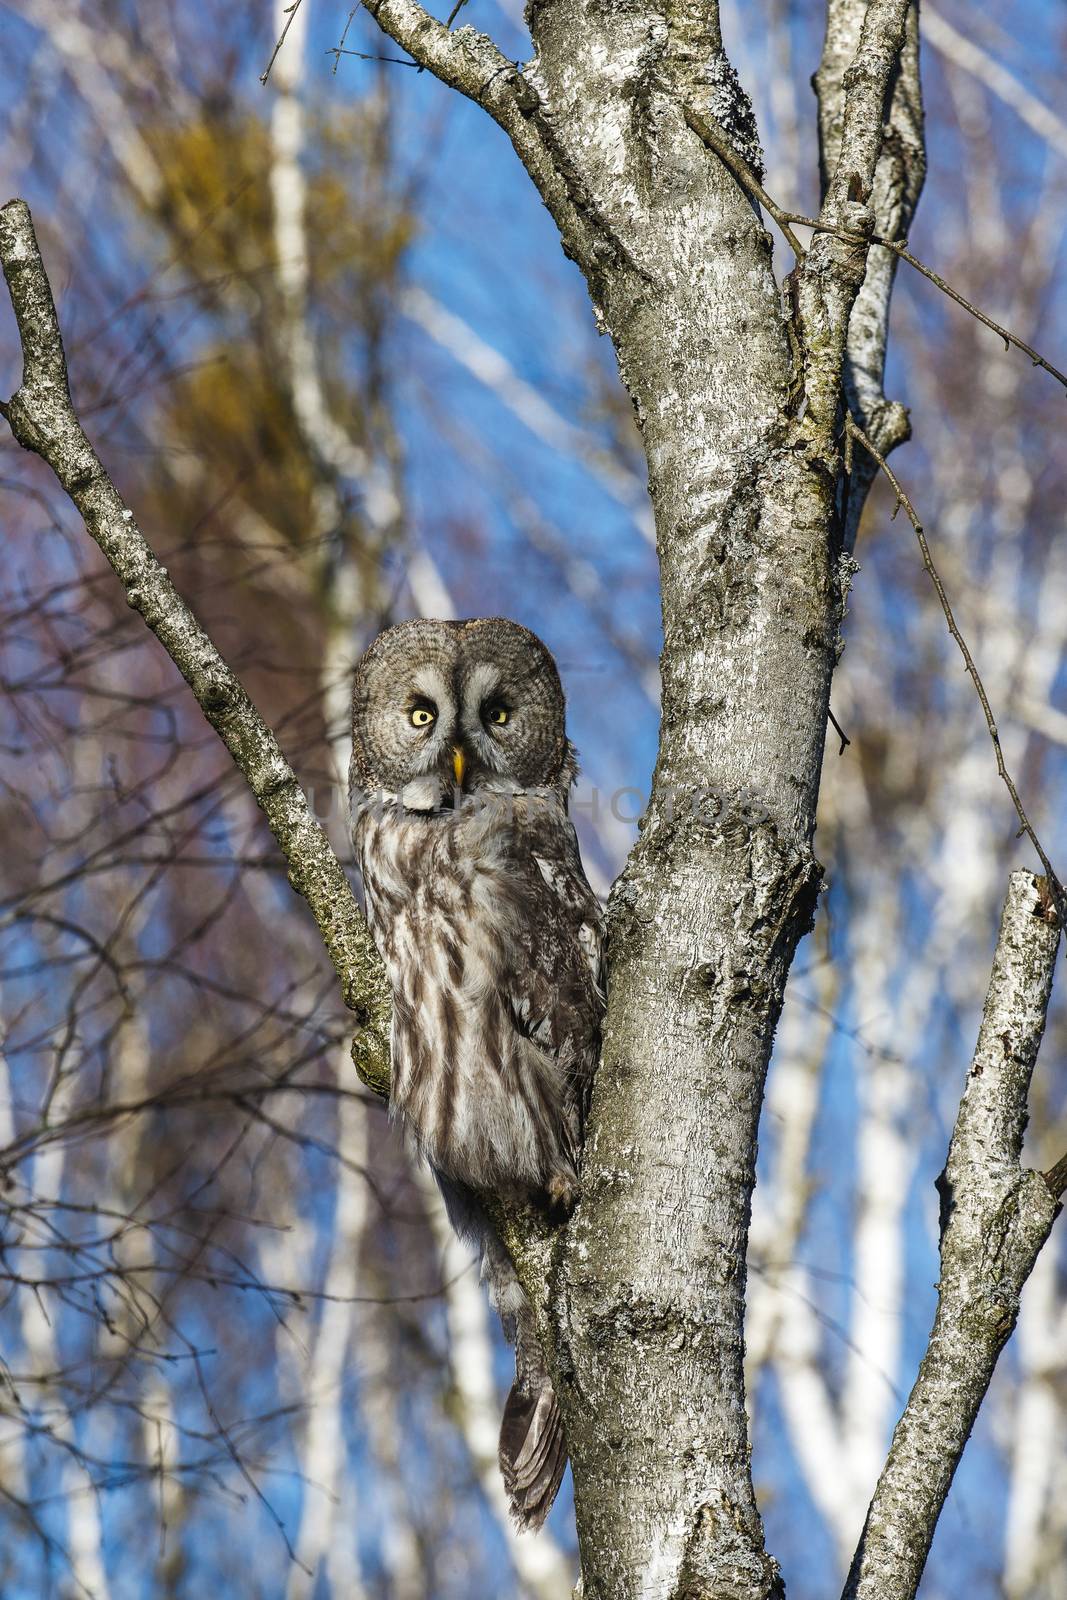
<point>324,1448</point>
<point>995,1217</point>
<point>328,443</point>
<point>40,1312</point>
<point>161,1436</point>
<point>1036,1431</point>
<point>645,1318</point>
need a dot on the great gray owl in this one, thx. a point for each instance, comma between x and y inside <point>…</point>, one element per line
<point>492,939</point>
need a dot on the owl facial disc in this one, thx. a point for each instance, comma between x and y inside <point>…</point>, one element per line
<point>473,705</point>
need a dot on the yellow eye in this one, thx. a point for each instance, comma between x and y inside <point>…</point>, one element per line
<point>422,716</point>
<point>498,714</point>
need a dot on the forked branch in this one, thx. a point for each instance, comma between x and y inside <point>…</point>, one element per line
<point>995,1217</point>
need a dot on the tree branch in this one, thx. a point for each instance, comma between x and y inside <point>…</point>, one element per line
<point>706,129</point>
<point>471,63</point>
<point>995,1216</point>
<point>895,190</point>
<point>42,419</point>
<point>867,40</point>
<point>451,57</point>
<point>871,63</point>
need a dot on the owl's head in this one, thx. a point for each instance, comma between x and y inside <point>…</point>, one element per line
<point>474,704</point>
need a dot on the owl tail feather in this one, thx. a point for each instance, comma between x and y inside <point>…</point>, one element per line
<point>533,1450</point>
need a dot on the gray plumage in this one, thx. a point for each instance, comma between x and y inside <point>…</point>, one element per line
<point>492,939</point>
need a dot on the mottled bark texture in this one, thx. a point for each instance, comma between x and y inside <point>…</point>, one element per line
<point>42,419</point>
<point>898,181</point>
<point>995,1216</point>
<point>643,1308</point>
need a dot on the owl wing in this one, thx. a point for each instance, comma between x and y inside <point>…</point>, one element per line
<point>555,991</point>
<point>555,984</point>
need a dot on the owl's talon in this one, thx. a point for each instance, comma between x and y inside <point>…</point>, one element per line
<point>563,1191</point>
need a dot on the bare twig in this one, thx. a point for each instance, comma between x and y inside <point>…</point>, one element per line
<point>839,730</point>
<point>905,254</point>
<point>223,1432</point>
<point>43,420</point>
<point>1025,826</point>
<point>339,50</point>
<point>291,12</point>
<point>708,130</point>
<point>366,55</point>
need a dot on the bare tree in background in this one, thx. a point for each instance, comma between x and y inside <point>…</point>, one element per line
<point>642,143</point>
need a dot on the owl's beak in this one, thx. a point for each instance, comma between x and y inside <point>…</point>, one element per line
<point>459,765</point>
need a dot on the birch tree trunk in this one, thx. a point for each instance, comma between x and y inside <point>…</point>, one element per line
<point>649,1306</point>
<point>740,414</point>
